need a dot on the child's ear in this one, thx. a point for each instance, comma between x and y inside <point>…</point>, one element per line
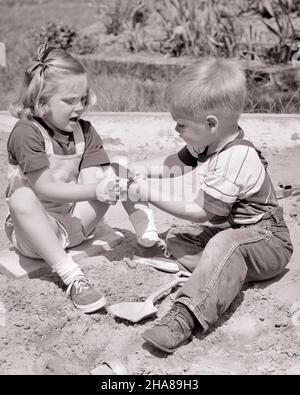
<point>212,122</point>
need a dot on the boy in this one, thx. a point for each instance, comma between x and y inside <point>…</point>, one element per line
<point>238,232</point>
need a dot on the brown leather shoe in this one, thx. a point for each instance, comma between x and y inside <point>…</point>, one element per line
<point>173,330</point>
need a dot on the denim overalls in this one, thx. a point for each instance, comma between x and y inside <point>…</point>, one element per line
<point>223,260</point>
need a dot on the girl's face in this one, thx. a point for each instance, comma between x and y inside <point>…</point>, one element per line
<point>68,103</point>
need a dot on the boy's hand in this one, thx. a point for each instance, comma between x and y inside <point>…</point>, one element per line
<point>108,190</point>
<point>139,191</point>
<point>138,173</point>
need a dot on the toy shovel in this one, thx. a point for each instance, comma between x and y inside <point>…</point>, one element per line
<point>137,311</point>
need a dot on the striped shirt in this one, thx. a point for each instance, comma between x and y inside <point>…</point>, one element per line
<point>234,182</point>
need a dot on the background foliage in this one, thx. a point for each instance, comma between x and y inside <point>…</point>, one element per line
<point>132,48</point>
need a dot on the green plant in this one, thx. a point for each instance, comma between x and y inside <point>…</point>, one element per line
<point>127,17</point>
<point>224,31</point>
<point>83,44</point>
<point>60,35</point>
<point>56,34</point>
<point>136,39</point>
<point>276,15</point>
<point>197,28</point>
<point>118,13</point>
<point>182,26</point>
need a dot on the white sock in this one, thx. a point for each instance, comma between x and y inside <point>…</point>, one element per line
<point>67,270</point>
<point>144,226</point>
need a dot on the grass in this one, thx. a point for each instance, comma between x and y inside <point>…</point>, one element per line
<point>116,93</point>
<point>17,17</point>
<point>119,90</point>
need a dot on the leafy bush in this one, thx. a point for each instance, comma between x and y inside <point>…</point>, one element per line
<point>186,27</point>
<point>119,13</point>
<point>55,34</point>
<point>83,45</point>
<point>276,16</point>
<point>127,17</point>
<point>60,35</point>
<point>206,27</point>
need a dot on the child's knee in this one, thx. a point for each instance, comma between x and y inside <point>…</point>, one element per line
<point>185,239</point>
<point>23,201</point>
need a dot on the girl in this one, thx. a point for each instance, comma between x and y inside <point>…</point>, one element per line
<point>60,179</point>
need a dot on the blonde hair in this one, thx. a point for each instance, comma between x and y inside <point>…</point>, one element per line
<point>209,85</point>
<point>42,78</point>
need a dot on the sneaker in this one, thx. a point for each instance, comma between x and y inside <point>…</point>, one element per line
<point>173,330</point>
<point>158,250</point>
<point>84,296</point>
<point>148,239</point>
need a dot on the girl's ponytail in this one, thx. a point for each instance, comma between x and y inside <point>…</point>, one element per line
<point>29,103</point>
<point>42,76</point>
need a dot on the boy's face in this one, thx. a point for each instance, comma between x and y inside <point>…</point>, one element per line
<point>197,134</point>
<point>67,104</point>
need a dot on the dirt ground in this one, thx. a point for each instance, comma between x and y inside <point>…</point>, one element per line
<point>44,334</point>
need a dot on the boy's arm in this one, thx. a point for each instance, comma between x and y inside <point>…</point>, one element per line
<point>188,210</point>
<point>165,167</point>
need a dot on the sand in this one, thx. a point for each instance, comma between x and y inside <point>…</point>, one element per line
<point>42,333</point>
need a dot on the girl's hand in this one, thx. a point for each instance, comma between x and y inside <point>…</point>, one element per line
<point>108,190</point>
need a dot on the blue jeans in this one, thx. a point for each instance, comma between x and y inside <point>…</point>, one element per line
<point>221,261</point>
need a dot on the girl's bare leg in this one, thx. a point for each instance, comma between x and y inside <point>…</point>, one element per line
<point>91,212</point>
<point>33,225</point>
<point>140,214</point>
<point>41,234</point>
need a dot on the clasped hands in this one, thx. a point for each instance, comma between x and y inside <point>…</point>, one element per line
<point>112,188</point>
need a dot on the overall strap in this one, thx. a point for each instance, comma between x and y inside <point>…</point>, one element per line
<point>247,143</point>
<point>79,139</point>
<point>238,142</point>
<point>47,138</point>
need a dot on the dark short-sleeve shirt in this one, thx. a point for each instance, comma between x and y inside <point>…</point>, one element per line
<point>26,146</point>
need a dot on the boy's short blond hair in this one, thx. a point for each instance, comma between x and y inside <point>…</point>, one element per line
<point>208,86</point>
